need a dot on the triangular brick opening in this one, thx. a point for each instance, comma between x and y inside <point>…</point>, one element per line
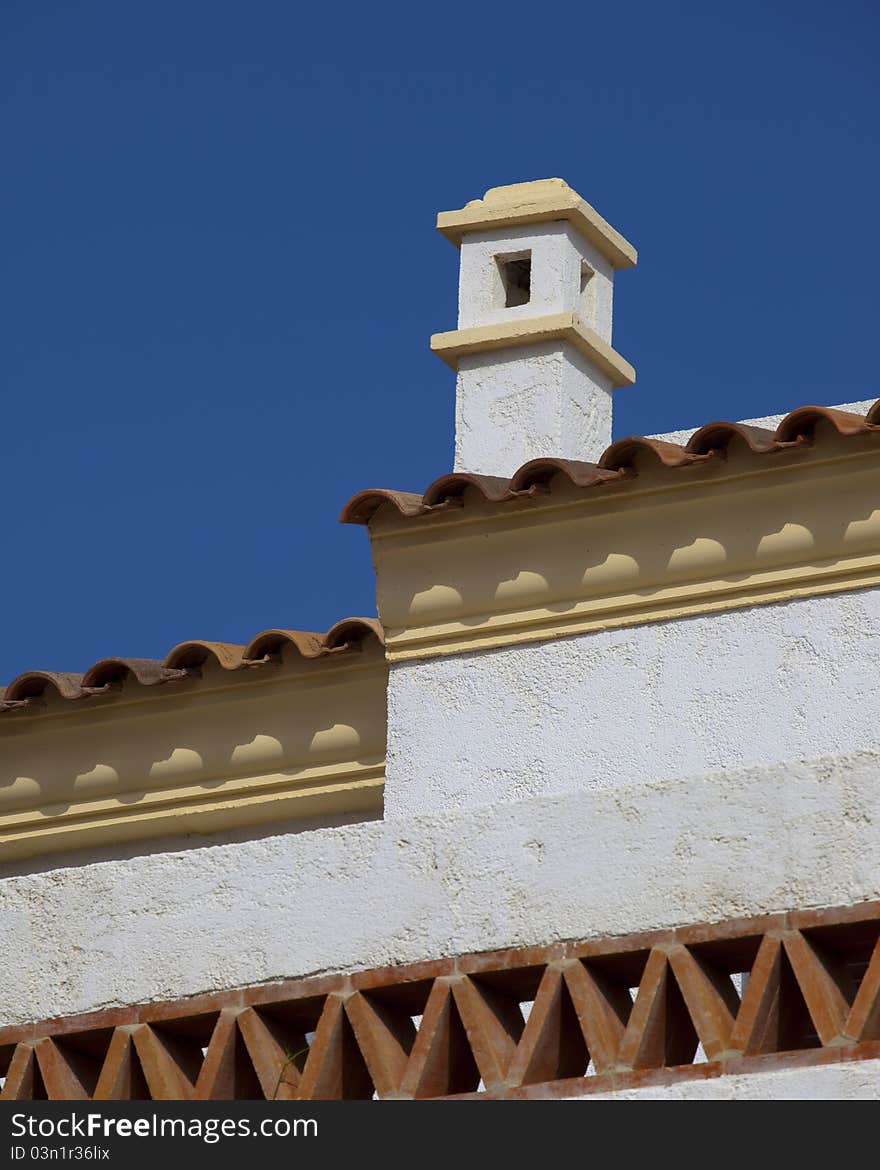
<point>660,1032</point>
<point>704,977</point>
<point>245,1084</point>
<point>489,1008</point>
<point>441,1061</point>
<point>277,1045</point>
<point>791,1020</point>
<point>845,954</point>
<point>185,1041</point>
<point>386,1033</point>
<point>863,1022</point>
<point>401,1006</point>
<point>172,1053</point>
<point>227,1072</point>
<point>603,1002</point>
<point>849,944</point>
<point>23,1080</point>
<point>773,1015</point>
<point>335,1068</point>
<point>191,1035</point>
<point>122,1077</point>
<point>552,1046</point>
<point>733,958</point>
<point>7,1051</point>
<point>84,1054</point>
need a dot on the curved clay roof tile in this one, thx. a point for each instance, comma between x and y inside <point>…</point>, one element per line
<point>622,453</point>
<point>717,436</point>
<point>192,655</point>
<point>34,683</point>
<point>271,643</point>
<point>540,471</point>
<point>362,507</point>
<point>873,415</point>
<point>492,488</point>
<point>147,671</point>
<point>354,631</point>
<point>801,423</point>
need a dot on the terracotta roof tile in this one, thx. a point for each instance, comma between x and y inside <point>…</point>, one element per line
<point>616,462</point>
<point>716,436</point>
<point>186,660</point>
<point>621,455</point>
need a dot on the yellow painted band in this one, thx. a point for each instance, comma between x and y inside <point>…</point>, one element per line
<point>573,561</point>
<point>458,343</point>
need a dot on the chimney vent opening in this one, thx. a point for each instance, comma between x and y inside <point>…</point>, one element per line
<point>516,278</point>
<point>587,293</point>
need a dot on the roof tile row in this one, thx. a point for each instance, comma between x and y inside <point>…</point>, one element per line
<point>186,661</point>
<point>616,463</point>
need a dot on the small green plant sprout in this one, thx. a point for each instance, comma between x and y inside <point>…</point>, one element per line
<point>290,1058</point>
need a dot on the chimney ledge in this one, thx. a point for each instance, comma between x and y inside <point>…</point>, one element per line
<point>530,331</point>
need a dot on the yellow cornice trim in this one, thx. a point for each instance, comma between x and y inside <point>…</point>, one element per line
<point>667,605</point>
<point>538,202</point>
<point>592,561</point>
<point>200,762</point>
<point>530,331</point>
<point>251,803</point>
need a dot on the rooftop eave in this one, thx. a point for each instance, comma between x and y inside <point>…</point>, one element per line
<point>648,545</point>
<point>229,741</point>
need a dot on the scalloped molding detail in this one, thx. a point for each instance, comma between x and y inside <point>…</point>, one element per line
<point>211,756</point>
<point>719,536</point>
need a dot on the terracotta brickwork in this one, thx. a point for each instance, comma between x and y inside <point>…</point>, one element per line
<point>557,1020</point>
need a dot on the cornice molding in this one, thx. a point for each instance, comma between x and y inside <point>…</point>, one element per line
<point>206,758</point>
<point>727,534</point>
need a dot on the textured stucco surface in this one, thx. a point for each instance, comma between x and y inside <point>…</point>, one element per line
<point>641,857</point>
<point>858,1081</point>
<point>781,682</point>
<point>557,254</point>
<point>517,404</point>
<point>545,399</point>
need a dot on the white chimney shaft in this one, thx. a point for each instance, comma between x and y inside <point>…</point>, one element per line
<point>532,351</point>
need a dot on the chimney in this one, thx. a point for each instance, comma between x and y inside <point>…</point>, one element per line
<point>532,351</point>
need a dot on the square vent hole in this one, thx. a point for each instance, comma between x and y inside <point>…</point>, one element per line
<point>516,278</point>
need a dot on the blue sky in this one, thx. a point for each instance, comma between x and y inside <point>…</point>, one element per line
<point>221,273</point>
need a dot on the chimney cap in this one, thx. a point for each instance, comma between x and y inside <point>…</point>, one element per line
<point>540,201</point>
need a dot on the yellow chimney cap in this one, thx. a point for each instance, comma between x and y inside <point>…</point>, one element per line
<point>540,201</point>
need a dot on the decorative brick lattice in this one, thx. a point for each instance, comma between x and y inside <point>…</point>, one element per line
<point>558,1020</point>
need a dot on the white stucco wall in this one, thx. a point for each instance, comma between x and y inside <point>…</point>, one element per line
<point>638,857</point>
<point>858,1081</point>
<point>780,682</point>
<point>518,404</point>
<point>558,254</point>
